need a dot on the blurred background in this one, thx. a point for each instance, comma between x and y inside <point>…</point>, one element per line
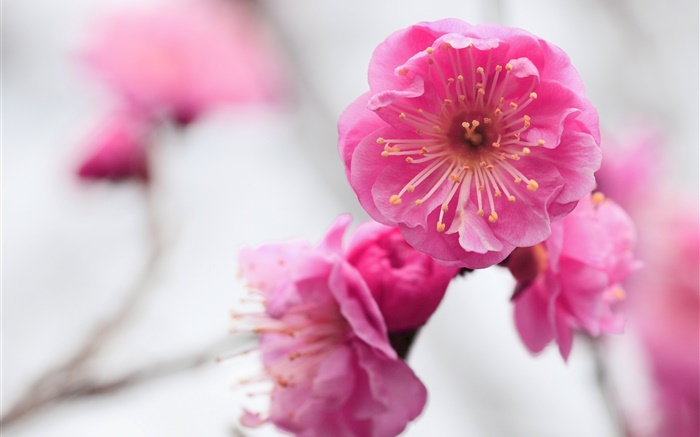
<point>132,282</point>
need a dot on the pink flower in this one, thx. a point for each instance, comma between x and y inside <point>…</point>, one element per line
<point>572,280</point>
<point>665,309</point>
<point>630,168</point>
<point>471,139</point>
<point>408,285</point>
<point>324,344</point>
<point>117,150</point>
<point>183,59</point>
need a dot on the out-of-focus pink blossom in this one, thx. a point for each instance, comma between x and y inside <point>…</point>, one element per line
<point>572,279</point>
<point>182,59</point>
<point>117,149</point>
<point>471,139</point>
<point>408,285</point>
<point>665,309</point>
<point>631,165</point>
<point>324,344</point>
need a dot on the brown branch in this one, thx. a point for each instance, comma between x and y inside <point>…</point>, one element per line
<point>69,378</point>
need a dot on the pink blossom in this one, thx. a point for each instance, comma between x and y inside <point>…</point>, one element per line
<point>324,344</point>
<point>471,139</point>
<point>182,59</point>
<point>117,149</point>
<point>408,285</point>
<point>572,279</point>
<point>630,167</point>
<point>665,309</point>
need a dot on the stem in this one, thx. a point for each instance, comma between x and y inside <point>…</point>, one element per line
<point>69,379</point>
<point>606,387</point>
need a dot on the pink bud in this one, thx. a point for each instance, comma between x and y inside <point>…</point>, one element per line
<point>408,285</point>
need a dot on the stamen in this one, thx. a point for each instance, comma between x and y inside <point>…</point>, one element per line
<point>597,198</point>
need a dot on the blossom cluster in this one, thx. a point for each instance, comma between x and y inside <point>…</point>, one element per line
<point>474,146</point>
<point>172,64</point>
<point>325,327</point>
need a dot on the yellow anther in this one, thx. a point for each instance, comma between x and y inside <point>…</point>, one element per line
<point>475,123</point>
<point>515,157</point>
<point>496,144</point>
<point>513,105</point>
<point>481,91</point>
<point>540,142</point>
<point>410,188</point>
<point>380,140</point>
<point>533,185</point>
<point>533,95</point>
<point>446,46</point>
<point>479,70</point>
<point>498,193</point>
<point>385,154</point>
<point>429,50</point>
<point>465,124</point>
<point>419,202</point>
<point>487,120</point>
<point>402,116</point>
<point>460,78</point>
<point>395,200</point>
<point>480,213</point>
<point>447,101</point>
<point>451,79</point>
<point>509,67</point>
<point>466,167</point>
<point>403,71</point>
<point>526,118</point>
<point>440,226</point>
<point>526,151</point>
<point>444,207</point>
<point>461,98</point>
<point>493,217</point>
<point>497,111</point>
<point>511,198</point>
<point>489,167</point>
<point>409,159</point>
<point>455,178</point>
<point>420,111</point>
<point>502,155</point>
<point>437,129</point>
<point>481,188</point>
<point>517,180</point>
<point>598,198</point>
<point>499,68</point>
<point>619,293</point>
<point>423,151</point>
<point>479,85</point>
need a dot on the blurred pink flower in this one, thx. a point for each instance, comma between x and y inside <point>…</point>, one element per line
<point>630,167</point>
<point>572,280</point>
<point>117,149</point>
<point>470,140</point>
<point>408,285</point>
<point>182,59</point>
<point>665,309</point>
<point>324,344</point>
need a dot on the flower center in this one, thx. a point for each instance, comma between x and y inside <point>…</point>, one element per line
<point>473,143</point>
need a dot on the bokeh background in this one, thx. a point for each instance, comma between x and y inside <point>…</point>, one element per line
<point>247,174</point>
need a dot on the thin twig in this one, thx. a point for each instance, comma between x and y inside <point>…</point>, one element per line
<point>62,381</point>
<point>606,388</point>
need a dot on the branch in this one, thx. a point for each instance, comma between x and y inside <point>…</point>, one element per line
<point>68,379</point>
